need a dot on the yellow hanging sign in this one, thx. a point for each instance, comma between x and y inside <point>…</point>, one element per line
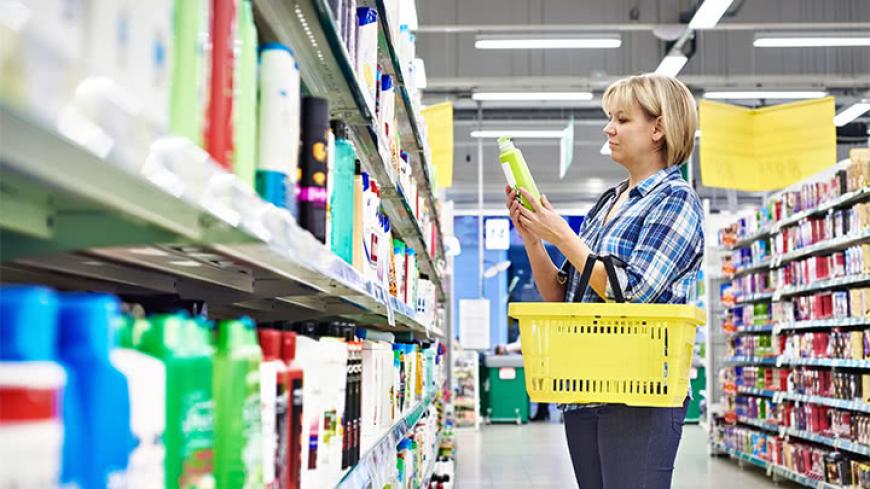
<point>439,123</point>
<point>768,148</point>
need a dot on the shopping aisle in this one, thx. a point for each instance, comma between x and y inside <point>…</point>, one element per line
<point>535,455</point>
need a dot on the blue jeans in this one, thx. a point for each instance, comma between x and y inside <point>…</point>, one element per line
<point>623,447</point>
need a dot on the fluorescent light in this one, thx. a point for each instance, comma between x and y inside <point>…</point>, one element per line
<point>777,95</point>
<point>850,114</point>
<point>531,96</point>
<point>420,74</point>
<point>542,134</point>
<point>671,65</point>
<point>605,150</point>
<point>810,42</point>
<point>709,13</point>
<point>551,43</point>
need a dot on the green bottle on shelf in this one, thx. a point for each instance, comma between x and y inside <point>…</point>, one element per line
<point>238,446</point>
<point>179,342</point>
<point>190,62</point>
<point>516,170</point>
<point>245,96</point>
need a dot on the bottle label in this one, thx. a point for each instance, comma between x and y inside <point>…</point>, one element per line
<point>509,175</point>
<point>313,194</point>
<point>197,451</point>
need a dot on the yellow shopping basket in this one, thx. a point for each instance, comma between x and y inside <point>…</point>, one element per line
<point>634,354</point>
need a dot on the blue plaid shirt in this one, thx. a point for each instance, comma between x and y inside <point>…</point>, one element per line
<point>658,233</point>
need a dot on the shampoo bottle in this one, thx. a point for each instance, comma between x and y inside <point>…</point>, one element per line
<point>189,438</point>
<point>191,65</point>
<point>295,384</point>
<point>313,166</point>
<point>31,389</point>
<point>102,391</point>
<point>236,387</point>
<point>515,169</point>
<point>273,409</point>
<point>278,126</point>
<point>146,377</point>
<point>358,219</point>
<point>245,96</point>
<point>219,123</point>
<point>341,206</point>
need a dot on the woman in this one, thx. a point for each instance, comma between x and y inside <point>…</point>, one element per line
<point>653,222</point>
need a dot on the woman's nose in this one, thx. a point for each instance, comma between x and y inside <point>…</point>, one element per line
<point>608,129</point>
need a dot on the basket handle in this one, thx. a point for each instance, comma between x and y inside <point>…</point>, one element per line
<point>609,267</point>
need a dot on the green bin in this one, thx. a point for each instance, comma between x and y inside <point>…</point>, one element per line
<point>504,389</point>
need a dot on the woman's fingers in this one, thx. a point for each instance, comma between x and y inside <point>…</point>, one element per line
<point>536,205</point>
<point>546,203</point>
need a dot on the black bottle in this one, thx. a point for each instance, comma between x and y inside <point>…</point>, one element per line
<point>313,158</point>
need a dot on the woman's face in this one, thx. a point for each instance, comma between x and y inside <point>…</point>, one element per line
<point>631,134</point>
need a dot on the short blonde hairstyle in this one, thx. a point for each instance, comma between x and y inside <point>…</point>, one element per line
<point>660,96</point>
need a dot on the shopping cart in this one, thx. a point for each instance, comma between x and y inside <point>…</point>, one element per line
<point>634,354</point>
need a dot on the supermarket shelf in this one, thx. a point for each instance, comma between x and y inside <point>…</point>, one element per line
<point>764,265</point>
<point>430,468</point>
<point>824,401</point>
<point>844,200</point>
<point>213,239</point>
<point>838,443</point>
<point>760,297</point>
<point>747,241</point>
<point>360,474</point>
<point>754,391</point>
<point>830,245</point>
<point>833,283</point>
<point>759,424</point>
<point>416,143</point>
<point>764,328</point>
<point>758,462</point>
<point>822,323</point>
<point>776,469</point>
<point>57,196</point>
<point>802,479</point>
<point>825,362</point>
<point>741,360</point>
<point>326,71</point>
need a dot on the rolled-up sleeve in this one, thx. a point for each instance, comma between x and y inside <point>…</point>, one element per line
<point>671,239</point>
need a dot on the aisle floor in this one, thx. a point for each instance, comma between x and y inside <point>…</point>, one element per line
<point>535,456</point>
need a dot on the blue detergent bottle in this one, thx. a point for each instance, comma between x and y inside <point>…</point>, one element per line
<point>31,417</point>
<point>99,445</point>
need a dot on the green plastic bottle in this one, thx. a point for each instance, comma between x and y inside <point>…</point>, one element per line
<point>515,170</point>
<point>341,201</point>
<point>178,341</point>
<point>190,63</point>
<point>238,446</point>
<point>245,103</point>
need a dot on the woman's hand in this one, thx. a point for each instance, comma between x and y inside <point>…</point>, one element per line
<point>528,237</point>
<point>543,222</point>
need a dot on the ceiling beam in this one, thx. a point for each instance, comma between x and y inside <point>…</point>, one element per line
<point>465,85</point>
<point>569,28</point>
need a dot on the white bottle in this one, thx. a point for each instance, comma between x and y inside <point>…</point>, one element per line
<point>30,449</point>
<point>279,132</point>
<point>146,380</point>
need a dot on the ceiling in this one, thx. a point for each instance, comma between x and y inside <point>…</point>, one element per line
<point>723,57</point>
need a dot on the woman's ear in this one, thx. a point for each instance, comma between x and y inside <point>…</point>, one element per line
<point>658,132</point>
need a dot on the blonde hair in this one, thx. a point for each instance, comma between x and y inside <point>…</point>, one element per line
<point>660,96</point>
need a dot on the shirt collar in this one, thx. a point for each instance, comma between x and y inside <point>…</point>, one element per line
<point>649,183</point>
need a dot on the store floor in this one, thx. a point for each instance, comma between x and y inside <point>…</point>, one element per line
<point>535,456</point>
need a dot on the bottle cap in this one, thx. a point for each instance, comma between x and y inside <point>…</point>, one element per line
<point>315,112</point>
<point>505,143</point>
<point>340,129</point>
<point>28,323</point>
<point>271,342</point>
